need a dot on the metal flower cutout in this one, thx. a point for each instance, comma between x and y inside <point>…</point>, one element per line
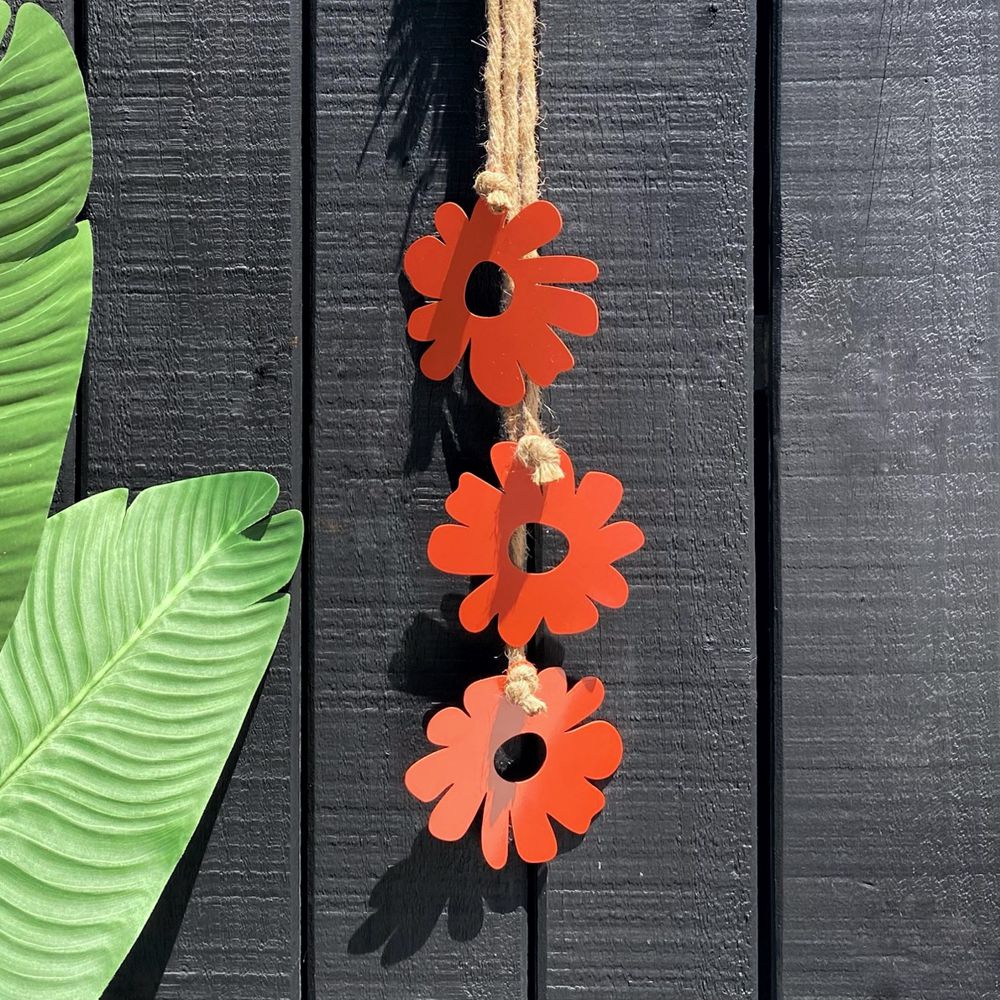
<point>478,545</point>
<point>519,339</point>
<point>464,776</point>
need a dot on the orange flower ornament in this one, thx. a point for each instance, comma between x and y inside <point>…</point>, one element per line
<point>479,545</point>
<point>464,776</point>
<point>521,338</point>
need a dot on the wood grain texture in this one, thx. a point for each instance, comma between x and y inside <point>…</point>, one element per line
<point>890,503</point>
<point>646,150</point>
<point>395,913</point>
<point>192,369</point>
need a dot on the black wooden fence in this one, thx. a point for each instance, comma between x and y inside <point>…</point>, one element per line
<point>806,674</point>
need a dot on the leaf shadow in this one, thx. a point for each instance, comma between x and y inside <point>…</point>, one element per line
<point>429,124</point>
<point>428,113</point>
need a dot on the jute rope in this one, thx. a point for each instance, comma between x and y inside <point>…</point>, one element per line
<point>509,181</point>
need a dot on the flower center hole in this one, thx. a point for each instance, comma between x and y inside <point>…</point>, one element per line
<point>520,758</point>
<point>548,546</point>
<point>484,295</point>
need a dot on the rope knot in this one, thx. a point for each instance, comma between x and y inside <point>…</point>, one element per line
<point>539,453</point>
<point>497,188</point>
<point>522,683</point>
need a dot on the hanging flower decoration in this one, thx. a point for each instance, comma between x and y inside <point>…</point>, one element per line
<point>521,338</point>
<point>511,356</point>
<point>478,545</point>
<point>464,776</point>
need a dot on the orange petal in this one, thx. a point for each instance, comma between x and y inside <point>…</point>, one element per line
<point>464,551</point>
<point>533,834</point>
<point>534,226</point>
<point>426,264</point>
<point>599,494</point>
<point>519,621</point>
<point>574,803</point>
<point>482,699</point>
<point>418,326</point>
<point>595,749</point>
<point>450,220</point>
<point>554,269</point>
<point>552,686</point>
<point>502,457</point>
<point>583,700</point>
<point>451,817</point>
<point>566,308</point>
<point>443,356</point>
<point>569,476</point>
<point>494,368</point>
<point>617,540</point>
<point>607,586</point>
<point>523,500</point>
<point>568,610</point>
<point>474,501</point>
<point>476,611</point>
<point>496,824</point>
<point>448,726</point>
<point>428,777</point>
<point>543,355</point>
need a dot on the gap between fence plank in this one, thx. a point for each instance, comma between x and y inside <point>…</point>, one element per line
<point>766,524</point>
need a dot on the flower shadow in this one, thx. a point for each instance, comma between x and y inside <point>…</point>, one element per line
<point>453,412</point>
<point>410,898</point>
<point>437,659</point>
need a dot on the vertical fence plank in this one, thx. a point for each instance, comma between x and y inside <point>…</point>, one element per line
<point>396,914</point>
<point>646,149</point>
<point>890,505</point>
<point>192,370</point>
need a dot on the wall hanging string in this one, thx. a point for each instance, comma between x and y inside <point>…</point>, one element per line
<point>510,180</point>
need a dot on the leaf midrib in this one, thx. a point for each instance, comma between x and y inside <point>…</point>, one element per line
<point>98,678</point>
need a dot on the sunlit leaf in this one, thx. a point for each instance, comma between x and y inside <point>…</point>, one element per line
<point>141,641</point>
<point>45,279</point>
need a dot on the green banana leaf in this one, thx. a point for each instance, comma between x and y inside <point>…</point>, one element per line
<point>46,271</point>
<point>142,638</point>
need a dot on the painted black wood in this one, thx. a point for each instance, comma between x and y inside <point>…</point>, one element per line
<point>646,150</point>
<point>193,368</point>
<point>395,914</point>
<point>890,562</point>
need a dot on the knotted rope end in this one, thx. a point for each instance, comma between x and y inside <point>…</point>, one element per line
<point>497,189</point>
<point>539,453</point>
<point>522,683</point>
